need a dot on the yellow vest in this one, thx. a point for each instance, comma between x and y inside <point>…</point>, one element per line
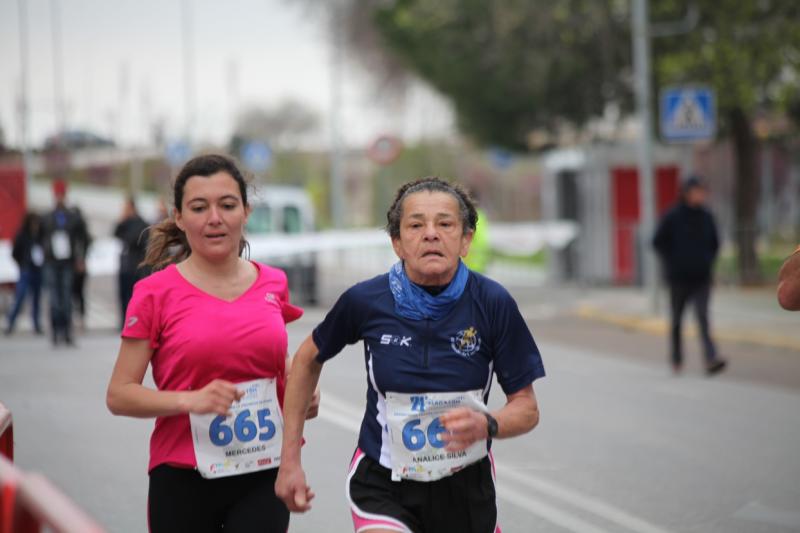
<point>480,251</point>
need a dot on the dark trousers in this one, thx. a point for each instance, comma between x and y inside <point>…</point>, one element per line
<point>125,283</point>
<point>699,294</point>
<point>30,281</point>
<point>79,292</point>
<point>58,278</point>
<point>181,500</point>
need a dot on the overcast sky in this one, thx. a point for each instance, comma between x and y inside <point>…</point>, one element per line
<point>123,69</point>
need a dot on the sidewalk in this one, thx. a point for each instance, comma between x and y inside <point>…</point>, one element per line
<point>737,315</point>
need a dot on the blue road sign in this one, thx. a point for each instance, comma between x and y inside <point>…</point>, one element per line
<point>501,158</point>
<point>257,156</point>
<point>688,114</point>
<point>178,152</point>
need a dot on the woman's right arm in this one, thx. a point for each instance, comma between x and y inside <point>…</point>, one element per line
<point>127,396</point>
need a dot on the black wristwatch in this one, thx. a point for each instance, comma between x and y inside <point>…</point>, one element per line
<point>491,426</point>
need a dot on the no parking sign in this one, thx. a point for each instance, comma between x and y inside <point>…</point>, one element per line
<point>385,149</point>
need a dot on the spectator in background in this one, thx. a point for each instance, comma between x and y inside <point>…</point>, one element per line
<point>789,282</point>
<point>65,241</point>
<point>132,232</point>
<point>79,274</point>
<point>480,251</point>
<point>29,256</point>
<point>686,241</point>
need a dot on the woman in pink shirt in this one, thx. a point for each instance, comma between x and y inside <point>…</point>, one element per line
<point>213,326</point>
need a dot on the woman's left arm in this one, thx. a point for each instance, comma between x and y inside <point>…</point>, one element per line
<point>465,426</point>
<point>313,407</point>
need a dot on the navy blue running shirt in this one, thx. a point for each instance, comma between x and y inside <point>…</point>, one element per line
<point>483,333</point>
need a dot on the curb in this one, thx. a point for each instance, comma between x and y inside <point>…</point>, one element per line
<point>659,326</point>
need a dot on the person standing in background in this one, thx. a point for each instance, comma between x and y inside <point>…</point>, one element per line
<point>65,241</point>
<point>29,256</point>
<point>480,251</point>
<point>79,274</point>
<point>132,231</point>
<point>687,242</point>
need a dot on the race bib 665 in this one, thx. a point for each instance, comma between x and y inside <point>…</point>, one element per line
<point>247,441</point>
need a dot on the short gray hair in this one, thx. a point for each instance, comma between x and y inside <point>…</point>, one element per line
<point>466,205</point>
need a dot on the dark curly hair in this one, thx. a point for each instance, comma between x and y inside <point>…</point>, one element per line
<point>466,204</point>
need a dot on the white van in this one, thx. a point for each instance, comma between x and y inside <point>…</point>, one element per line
<point>283,211</point>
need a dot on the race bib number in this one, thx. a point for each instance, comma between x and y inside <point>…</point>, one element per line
<point>415,431</point>
<point>247,441</point>
<point>59,244</point>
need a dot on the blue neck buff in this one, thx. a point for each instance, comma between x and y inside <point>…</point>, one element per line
<point>414,302</point>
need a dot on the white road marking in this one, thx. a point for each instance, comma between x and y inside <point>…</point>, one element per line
<point>575,498</point>
<point>758,512</point>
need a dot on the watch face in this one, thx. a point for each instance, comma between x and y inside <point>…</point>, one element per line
<point>492,428</point>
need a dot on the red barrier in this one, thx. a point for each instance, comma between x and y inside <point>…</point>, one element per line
<point>10,478</point>
<point>29,502</point>
<point>6,433</point>
<point>50,507</point>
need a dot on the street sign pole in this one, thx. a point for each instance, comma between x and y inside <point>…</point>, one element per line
<point>24,99</point>
<point>641,68</point>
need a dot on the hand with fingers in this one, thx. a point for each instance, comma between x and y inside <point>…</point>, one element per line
<point>291,488</point>
<point>464,427</point>
<point>216,397</point>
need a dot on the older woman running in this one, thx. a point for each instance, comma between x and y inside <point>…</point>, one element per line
<point>433,333</point>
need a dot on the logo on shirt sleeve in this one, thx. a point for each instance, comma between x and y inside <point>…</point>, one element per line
<point>466,342</point>
<point>132,321</point>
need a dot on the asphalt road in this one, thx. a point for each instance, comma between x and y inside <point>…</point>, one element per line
<point>623,446</point>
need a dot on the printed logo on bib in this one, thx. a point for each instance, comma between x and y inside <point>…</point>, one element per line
<point>466,342</point>
<point>416,447</point>
<point>247,441</point>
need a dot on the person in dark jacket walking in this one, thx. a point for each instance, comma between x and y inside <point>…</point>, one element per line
<point>29,256</point>
<point>65,241</point>
<point>132,232</point>
<point>687,242</point>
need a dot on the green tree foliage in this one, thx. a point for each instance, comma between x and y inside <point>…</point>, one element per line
<point>749,52</point>
<point>514,66</point>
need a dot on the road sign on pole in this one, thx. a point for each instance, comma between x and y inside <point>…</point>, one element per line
<point>688,114</point>
<point>257,156</point>
<point>385,149</point>
<point>178,152</point>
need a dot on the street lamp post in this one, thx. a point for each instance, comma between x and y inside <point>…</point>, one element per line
<point>641,68</point>
<point>24,97</point>
<point>336,157</point>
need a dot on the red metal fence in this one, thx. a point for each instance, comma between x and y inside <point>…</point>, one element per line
<point>28,501</point>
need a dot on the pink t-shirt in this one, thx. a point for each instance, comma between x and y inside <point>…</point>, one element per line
<point>197,337</point>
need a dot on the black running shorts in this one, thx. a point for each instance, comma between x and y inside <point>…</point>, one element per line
<point>463,502</point>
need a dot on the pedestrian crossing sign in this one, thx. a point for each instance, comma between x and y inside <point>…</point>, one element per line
<point>688,114</point>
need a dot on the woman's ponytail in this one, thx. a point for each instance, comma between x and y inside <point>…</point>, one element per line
<point>166,244</point>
